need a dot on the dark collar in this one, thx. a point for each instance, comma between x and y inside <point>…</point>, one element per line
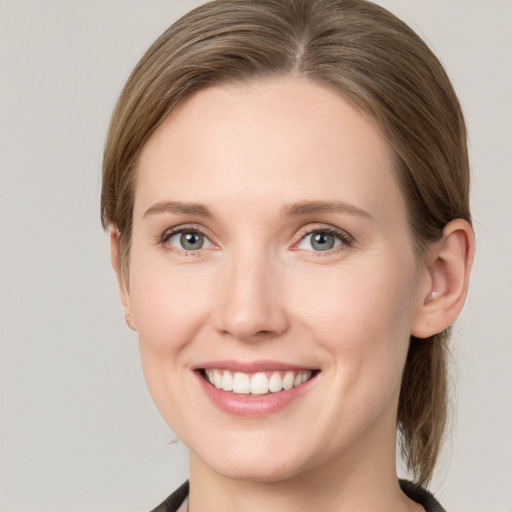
<point>421,496</point>
<point>413,491</point>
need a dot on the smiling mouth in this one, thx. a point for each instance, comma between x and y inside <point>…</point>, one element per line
<point>259,383</point>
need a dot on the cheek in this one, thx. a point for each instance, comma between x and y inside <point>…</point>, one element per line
<point>362,319</point>
<point>362,323</point>
<point>167,304</point>
<point>168,309</point>
<point>358,300</point>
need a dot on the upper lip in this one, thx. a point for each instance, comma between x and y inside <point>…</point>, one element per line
<point>250,366</point>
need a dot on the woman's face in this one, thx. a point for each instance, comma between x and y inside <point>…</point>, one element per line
<point>271,252</point>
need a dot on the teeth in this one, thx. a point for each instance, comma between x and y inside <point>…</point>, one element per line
<point>275,382</point>
<point>241,384</point>
<point>288,380</point>
<point>227,381</point>
<point>259,383</point>
<point>217,379</point>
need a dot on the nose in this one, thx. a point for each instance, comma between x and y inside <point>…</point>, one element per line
<point>250,299</point>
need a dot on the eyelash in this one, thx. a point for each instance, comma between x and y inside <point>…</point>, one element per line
<point>346,240</point>
<point>167,235</point>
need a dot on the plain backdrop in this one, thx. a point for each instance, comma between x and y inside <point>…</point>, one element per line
<point>78,430</point>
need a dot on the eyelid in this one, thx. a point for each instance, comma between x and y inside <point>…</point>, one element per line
<point>346,238</point>
<point>181,228</point>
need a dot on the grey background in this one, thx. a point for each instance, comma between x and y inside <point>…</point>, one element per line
<point>78,430</point>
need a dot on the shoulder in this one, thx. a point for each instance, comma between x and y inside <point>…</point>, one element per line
<point>175,500</point>
<point>421,496</point>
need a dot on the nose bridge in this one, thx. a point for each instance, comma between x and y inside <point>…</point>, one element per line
<point>249,305</point>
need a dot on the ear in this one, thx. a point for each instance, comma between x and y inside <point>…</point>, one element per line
<point>115,255</point>
<point>446,286</point>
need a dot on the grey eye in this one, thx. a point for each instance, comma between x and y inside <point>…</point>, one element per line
<point>189,241</point>
<point>319,240</point>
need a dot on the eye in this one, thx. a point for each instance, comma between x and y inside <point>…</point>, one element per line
<point>188,240</point>
<point>321,240</point>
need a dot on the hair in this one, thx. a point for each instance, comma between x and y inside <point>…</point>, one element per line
<point>377,63</point>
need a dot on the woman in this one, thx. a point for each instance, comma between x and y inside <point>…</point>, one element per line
<point>286,188</point>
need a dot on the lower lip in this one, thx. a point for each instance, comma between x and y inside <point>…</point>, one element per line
<point>247,406</point>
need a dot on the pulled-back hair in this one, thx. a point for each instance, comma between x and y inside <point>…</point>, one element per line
<point>373,60</point>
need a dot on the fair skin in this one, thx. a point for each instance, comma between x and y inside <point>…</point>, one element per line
<point>289,252</point>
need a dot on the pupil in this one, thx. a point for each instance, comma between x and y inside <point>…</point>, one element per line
<point>322,241</point>
<point>192,241</point>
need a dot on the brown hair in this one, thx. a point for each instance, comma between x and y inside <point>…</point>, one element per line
<point>377,63</point>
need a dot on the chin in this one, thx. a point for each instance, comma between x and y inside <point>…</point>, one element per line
<point>270,471</point>
<point>261,458</point>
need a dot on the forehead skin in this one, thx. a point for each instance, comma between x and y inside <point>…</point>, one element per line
<point>251,148</point>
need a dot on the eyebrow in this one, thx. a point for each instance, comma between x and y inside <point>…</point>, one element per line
<point>290,210</point>
<point>179,208</point>
<point>311,207</point>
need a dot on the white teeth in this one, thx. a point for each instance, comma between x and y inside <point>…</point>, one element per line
<point>257,384</point>
<point>241,384</point>
<point>217,379</point>
<point>306,376</point>
<point>288,380</point>
<point>227,381</point>
<point>275,382</point>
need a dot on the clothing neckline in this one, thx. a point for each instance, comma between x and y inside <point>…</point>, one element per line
<point>413,491</point>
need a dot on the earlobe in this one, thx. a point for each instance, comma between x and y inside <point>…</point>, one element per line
<point>115,255</point>
<point>451,260</point>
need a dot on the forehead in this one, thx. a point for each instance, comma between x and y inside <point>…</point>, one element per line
<point>288,139</point>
